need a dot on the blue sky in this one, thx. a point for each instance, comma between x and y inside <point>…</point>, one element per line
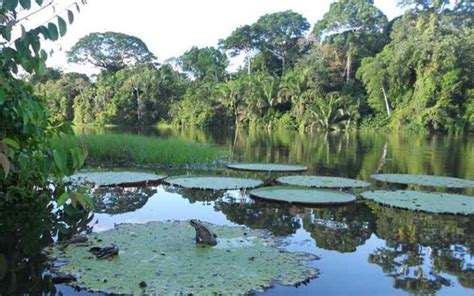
<point>171,27</point>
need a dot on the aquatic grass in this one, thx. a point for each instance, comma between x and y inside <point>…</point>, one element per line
<point>131,149</point>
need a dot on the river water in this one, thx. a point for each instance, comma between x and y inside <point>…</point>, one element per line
<point>364,249</point>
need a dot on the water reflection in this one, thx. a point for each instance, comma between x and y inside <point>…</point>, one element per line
<point>279,219</point>
<point>423,249</point>
<point>340,228</point>
<point>120,199</point>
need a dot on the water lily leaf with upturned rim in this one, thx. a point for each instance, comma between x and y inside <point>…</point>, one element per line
<point>424,180</point>
<point>213,183</point>
<point>433,202</point>
<point>109,179</point>
<point>300,195</point>
<point>267,167</point>
<point>322,182</point>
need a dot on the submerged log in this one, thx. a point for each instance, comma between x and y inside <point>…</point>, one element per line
<point>203,234</point>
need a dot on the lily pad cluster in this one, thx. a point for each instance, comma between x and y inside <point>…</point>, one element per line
<point>213,183</point>
<point>434,202</point>
<point>114,178</point>
<point>424,180</point>
<point>322,182</point>
<point>161,258</point>
<point>303,195</point>
<point>267,167</point>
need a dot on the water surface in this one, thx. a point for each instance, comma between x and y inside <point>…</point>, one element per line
<point>364,249</point>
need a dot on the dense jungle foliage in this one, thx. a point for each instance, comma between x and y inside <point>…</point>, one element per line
<point>354,69</point>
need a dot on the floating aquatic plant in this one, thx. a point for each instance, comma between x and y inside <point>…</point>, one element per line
<point>322,182</point>
<point>213,183</point>
<point>162,258</point>
<point>434,202</point>
<point>302,195</point>
<point>108,178</point>
<point>267,167</point>
<point>424,180</point>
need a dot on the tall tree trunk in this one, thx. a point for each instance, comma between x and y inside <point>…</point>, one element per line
<point>348,65</point>
<point>387,106</point>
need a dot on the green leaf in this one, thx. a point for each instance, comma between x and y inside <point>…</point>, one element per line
<point>10,142</point>
<point>62,199</point>
<point>44,31</point>
<point>26,4</point>
<point>53,32</point>
<point>33,40</point>
<point>84,200</point>
<point>70,16</point>
<point>10,4</point>
<point>60,160</point>
<point>62,26</point>
<point>39,2</point>
<point>5,163</point>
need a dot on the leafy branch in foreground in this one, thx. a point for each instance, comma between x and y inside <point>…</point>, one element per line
<point>29,165</point>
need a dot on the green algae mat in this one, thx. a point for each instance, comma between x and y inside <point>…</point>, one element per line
<point>433,202</point>
<point>267,167</point>
<point>161,258</point>
<point>108,178</point>
<point>213,183</point>
<point>424,180</point>
<point>322,182</point>
<point>302,195</point>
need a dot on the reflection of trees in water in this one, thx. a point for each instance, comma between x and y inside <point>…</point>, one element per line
<point>421,248</point>
<point>278,218</point>
<point>341,228</point>
<point>196,195</point>
<point>25,231</point>
<point>118,200</point>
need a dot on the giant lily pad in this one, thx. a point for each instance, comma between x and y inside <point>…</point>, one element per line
<point>213,183</point>
<point>322,182</point>
<point>161,258</point>
<point>424,180</point>
<point>302,195</point>
<point>115,178</point>
<point>266,167</point>
<point>434,202</point>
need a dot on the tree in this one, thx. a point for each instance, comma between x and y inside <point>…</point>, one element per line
<point>110,51</point>
<point>424,72</point>
<point>205,63</point>
<point>241,39</point>
<point>277,35</point>
<point>356,26</point>
<point>59,93</point>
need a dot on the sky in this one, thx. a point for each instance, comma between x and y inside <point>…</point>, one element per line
<point>169,28</point>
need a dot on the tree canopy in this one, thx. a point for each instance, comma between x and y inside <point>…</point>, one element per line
<point>110,51</point>
<point>204,63</point>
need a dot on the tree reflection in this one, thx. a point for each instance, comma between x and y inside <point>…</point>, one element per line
<point>339,228</point>
<point>119,200</point>
<point>196,195</point>
<point>280,219</point>
<point>422,249</point>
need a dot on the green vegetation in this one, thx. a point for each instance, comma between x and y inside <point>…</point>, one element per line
<point>29,165</point>
<point>355,69</point>
<point>244,261</point>
<point>130,149</point>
